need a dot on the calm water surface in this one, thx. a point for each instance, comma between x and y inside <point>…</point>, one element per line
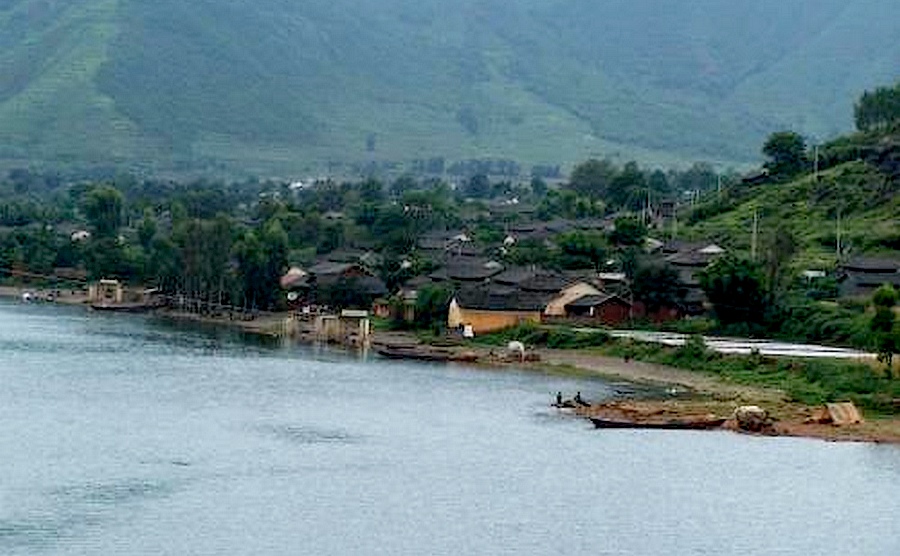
<point>121,435</point>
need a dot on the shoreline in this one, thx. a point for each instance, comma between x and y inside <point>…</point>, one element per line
<point>697,392</point>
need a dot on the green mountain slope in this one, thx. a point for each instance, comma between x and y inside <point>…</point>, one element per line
<point>276,85</point>
<point>855,198</point>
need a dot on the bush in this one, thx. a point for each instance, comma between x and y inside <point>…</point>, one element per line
<point>532,334</point>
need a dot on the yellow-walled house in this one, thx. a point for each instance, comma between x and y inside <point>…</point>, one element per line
<point>487,309</point>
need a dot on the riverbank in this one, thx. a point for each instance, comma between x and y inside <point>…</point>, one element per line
<point>687,392</point>
<point>684,394</point>
<point>702,393</point>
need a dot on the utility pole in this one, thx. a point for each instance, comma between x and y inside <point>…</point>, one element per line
<point>838,235</point>
<point>647,217</point>
<point>816,163</point>
<point>719,185</point>
<point>755,234</point>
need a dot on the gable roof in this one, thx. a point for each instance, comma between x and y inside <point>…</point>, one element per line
<point>872,264</point>
<point>691,258</point>
<point>546,283</point>
<point>590,300</point>
<point>467,269</point>
<point>680,246</point>
<point>858,284</point>
<point>494,298</point>
<point>326,268</point>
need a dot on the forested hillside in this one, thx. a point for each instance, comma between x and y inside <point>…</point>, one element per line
<point>852,205</point>
<point>278,86</point>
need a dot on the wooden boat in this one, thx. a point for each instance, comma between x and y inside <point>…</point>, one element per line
<point>420,353</point>
<point>684,423</point>
<point>125,307</point>
<point>416,353</point>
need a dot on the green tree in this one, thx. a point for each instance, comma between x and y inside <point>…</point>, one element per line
<point>203,250</point>
<point>478,187</point>
<point>538,187</point>
<point>658,183</point>
<point>780,250</point>
<point>736,289</point>
<point>402,184</point>
<point>102,206</point>
<point>628,188</point>
<point>371,191</point>
<point>786,152</point>
<point>885,331</point>
<point>701,176</point>
<point>251,269</point>
<point>432,306</point>
<point>628,232</point>
<point>581,250</point>
<point>147,230</point>
<point>879,109</point>
<point>657,285</point>
<point>531,251</point>
<point>592,178</point>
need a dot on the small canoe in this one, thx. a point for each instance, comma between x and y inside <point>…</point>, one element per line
<point>415,354</point>
<point>425,353</point>
<point>699,423</point>
<point>125,307</point>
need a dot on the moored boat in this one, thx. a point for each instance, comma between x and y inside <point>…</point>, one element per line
<point>125,307</point>
<point>687,423</point>
<point>424,353</point>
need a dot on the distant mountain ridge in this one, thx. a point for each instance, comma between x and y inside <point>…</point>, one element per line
<point>281,86</point>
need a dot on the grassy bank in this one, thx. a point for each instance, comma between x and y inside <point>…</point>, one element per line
<point>804,380</point>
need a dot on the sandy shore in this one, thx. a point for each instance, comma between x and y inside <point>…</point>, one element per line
<point>717,396</point>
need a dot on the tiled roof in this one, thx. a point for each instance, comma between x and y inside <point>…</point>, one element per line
<point>858,284</point>
<point>872,264</point>
<point>595,300</point>
<point>467,269</point>
<point>493,298</point>
<point>691,258</point>
<point>548,283</point>
<point>514,275</point>
<point>329,267</point>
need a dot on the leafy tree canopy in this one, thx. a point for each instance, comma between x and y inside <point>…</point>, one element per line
<point>786,151</point>
<point>736,289</point>
<point>102,206</point>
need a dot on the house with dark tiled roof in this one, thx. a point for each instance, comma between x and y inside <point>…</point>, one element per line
<point>603,308</point>
<point>516,295</point>
<point>689,259</point>
<point>491,307</point>
<point>467,270</point>
<point>861,276</point>
<point>328,273</point>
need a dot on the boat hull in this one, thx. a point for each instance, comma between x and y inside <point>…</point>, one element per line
<point>671,424</point>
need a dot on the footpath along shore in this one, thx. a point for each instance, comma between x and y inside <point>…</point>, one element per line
<point>697,392</point>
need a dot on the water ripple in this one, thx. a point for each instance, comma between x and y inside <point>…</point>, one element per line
<point>300,434</point>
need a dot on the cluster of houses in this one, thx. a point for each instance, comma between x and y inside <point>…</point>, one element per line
<point>489,294</point>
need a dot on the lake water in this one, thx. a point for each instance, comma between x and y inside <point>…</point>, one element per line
<point>123,435</point>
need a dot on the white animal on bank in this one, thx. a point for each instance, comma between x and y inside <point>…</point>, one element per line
<point>516,346</point>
